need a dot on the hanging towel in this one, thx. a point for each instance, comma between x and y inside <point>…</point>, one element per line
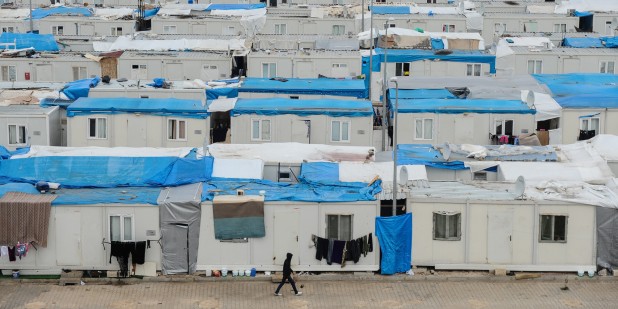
<point>139,252</point>
<point>337,255</point>
<point>4,250</point>
<point>329,257</point>
<point>370,242</point>
<point>12,254</point>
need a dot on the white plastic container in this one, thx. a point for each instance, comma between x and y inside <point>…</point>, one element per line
<point>591,273</point>
<point>234,273</point>
<point>248,273</point>
<point>581,272</point>
<point>223,272</point>
<point>208,272</point>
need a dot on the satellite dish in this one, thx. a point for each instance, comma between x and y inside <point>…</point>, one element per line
<point>403,177</point>
<point>520,188</point>
<point>500,30</point>
<point>447,151</point>
<point>530,98</point>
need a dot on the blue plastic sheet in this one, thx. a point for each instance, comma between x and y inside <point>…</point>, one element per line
<point>437,43</point>
<point>160,107</point>
<point>395,237</point>
<point>40,42</point>
<point>151,13</point>
<point>582,42</point>
<point>300,192</point>
<point>17,187</point>
<point>4,153</point>
<point>106,172</point>
<point>80,88</point>
<point>212,94</point>
<point>61,10</point>
<point>582,90</point>
<point>320,172</point>
<point>394,10</point>
<point>157,83</point>
<point>425,154</point>
<point>235,6</point>
<point>460,106</point>
<point>421,94</point>
<point>282,106</point>
<point>412,55</point>
<point>48,102</point>
<point>124,195</point>
<point>314,86</point>
<point>610,42</point>
<point>582,14</point>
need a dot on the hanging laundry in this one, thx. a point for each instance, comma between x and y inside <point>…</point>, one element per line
<point>370,242</point>
<point>4,250</point>
<point>21,250</point>
<point>337,255</point>
<point>321,247</point>
<point>12,254</point>
<point>138,254</point>
<point>122,250</point>
<point>329,257</point>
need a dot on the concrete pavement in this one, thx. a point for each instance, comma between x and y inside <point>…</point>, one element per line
<point>581,293</point>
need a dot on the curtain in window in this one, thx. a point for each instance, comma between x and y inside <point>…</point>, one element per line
<point>439,226</point>
<point>12,134</point>
<point>101,130</point>
<point>128,231</point>
<point>453,225</point>
<point>182,127</point>
<point>546,228</point>
<point>428,129</point>
<point>345,127</point>
<point>333,227</point>
<point>336,131</point>
<point>419,129</point>
<point>255,129</point>
<point>114,228</point>
<point>345,228</point>
<point>171,129</point>
<point>265,130</point>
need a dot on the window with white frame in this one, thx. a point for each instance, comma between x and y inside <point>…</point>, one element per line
<point>535,66</point>
<point>339,227</point>
<point>473,69</point>
<point>8,29</point>
<point>80,73</point>
<point>340,65</point>
<point>446,226</point>
<point>57,30</point>
<point>139,71</point>
<point>17,134</point>
<point>559,27</point>
<point>402,69</point>
<point>530,26</point>
<point>448,28</point>
<point>504,127</point>
<point>340,131</point>
<point>590,123</point>
<point>97,128</point>
<point>9,73</point>
<point>606,67</point>
<point>260,130</point>
<point>609,29</point>
<point>281,29</point>
<point>121,228</point>
<point>553,228</point>
<point>269,70</point>
<point>170,29</point>
<point>176,130</point>
<point>338,30</point>
<point>423,128</point>
<point>116,31</point>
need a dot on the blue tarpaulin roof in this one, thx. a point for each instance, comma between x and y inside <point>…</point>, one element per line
<point>582,90</point>
<point>282,106</point>
<point>80,88</point>
<point>459,106</point>
<point>40,42</point>
<point>425,154</point>
<point>61,10</point>
<point>610,42</point>
<point>47,102</point>
<point>160,107</point>
<point>582,42</point>
<point>215,93</point>
<point>421,94</point>
<point>395,237</point>
<point>235,6</point>
<point>316,86</point>
<point>384,9</point>
<point>582,14</point>
<point>17,187</point>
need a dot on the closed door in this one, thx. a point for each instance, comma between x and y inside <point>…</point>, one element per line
<point>174,71</point>
<point>464,130</point>
<point>304,69</point>
<point>286,235</point>
<point>301,131</point>
<point>136,132</point>
<point>570,66</point>
<point>68,238</point>
<point>175,249</point>
<point>44,73</point>
<point>500,236</point>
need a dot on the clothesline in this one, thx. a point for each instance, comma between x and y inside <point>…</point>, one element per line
<point>340,251</point>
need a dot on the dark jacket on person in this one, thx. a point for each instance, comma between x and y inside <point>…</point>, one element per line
<point>287,269</point>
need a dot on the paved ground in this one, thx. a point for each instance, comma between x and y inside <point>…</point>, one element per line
<point>317,294</point>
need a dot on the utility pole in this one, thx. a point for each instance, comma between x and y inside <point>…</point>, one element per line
<point>31,23</point>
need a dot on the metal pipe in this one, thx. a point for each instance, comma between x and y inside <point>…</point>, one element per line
<point>395,186</point>
<point>31,22</point>
<point>370,49</point>
<point>385,85</point>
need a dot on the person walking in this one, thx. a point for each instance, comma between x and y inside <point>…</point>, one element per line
<point>287,275</point>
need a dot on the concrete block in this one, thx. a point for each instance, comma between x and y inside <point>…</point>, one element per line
<point>500,272</point>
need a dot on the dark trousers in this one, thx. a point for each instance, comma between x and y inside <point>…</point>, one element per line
<point>290,280</point>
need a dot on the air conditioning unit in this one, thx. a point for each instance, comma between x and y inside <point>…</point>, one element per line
<point>571,12</point>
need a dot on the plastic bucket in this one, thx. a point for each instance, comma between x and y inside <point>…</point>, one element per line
<point>248,272</point>
<point>234,273</point>
<point>253,272</point>
<point>16,274</point>
<point>208,272</point>
<point>580,273</point>
<point>591,273</point>
<point>223,272</point>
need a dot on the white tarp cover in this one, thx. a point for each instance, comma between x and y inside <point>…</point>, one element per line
<point>186,6</point>
<point>546,107</point>
<point>474,21</point>
<point>290,152</point>
<point>582,193</point>
<point>168,11</point>
<point>14,13</point>
<point>54,151</point>
<point>503,48</point>
<point>366,172</point>
<point>113,13</point>
<point>254,12</point>
<point>238,168</point>
<point>127,43</point>
<point>606,145</point>
<point>222,105</point>
<point>253,24</point>
<point>481,152</point>
<point>540,9</point>
<point>587,5</point>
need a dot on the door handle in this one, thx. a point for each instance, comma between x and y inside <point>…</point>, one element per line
<point>296,238</point>
<point>510,238</point>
